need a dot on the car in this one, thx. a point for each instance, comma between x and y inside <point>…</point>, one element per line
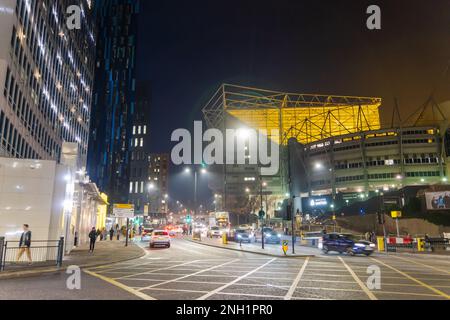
<point>160,238</point>
<point>241,235</point>
<point>346,243</point>
<point>146,234</point>
<point>270,236</point>
<point>214,232</point>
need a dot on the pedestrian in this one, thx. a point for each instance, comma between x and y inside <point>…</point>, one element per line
<point>111,234</point>
<point>118,233</point>
<point>25,244</point>
<point>92,239</point>
<point>105,234</point>
<point>99,234</point>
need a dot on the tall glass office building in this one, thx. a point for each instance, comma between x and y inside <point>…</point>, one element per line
<point>46,78</point>
<point>114,104</point>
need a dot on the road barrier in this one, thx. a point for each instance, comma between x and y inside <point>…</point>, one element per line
<point>43,252</point>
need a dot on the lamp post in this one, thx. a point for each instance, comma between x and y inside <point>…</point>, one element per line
<point>196,171</point>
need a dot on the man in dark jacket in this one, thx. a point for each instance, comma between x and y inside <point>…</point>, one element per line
<point>25,244</point>
<point>92,239</point>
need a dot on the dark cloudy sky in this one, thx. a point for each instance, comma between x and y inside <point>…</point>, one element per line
<point>188,48</point>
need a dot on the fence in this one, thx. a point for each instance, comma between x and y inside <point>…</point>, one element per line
<point>43,252</point>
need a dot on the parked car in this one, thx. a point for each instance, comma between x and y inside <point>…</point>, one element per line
<point>160,238</point>
<point>346,243</point>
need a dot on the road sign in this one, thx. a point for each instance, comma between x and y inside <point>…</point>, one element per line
<point>396,214</point>
<point>285,246</point>
<point>123,211</point>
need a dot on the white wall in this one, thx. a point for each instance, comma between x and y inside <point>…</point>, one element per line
<point>26,193</point>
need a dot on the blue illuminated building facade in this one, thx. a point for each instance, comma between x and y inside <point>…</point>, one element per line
<point>114,100</point>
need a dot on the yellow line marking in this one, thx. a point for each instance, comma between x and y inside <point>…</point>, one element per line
<point>294,285</point>
<point>361,284</point>
<point>413,279</point>
<point>422,264</point>
<point>120,285</point>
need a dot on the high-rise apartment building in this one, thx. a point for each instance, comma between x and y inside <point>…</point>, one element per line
<point>46,78</point>
<point>114,106</point>
<point>158,185</point>
<point>140,151</point>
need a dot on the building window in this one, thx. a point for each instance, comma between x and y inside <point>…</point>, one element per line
<point>142,142</point>
<point>145,129</point>
<point>131,187</point>
<point>134,129</point>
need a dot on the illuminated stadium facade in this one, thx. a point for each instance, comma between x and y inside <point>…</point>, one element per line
<point>308,118</point>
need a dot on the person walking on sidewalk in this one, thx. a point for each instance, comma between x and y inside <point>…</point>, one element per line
<point>25,244</point>
<point>111,234</point>
<point>118,232</point>
<point>92,239</point>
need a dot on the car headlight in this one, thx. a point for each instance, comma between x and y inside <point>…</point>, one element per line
<point>359,245</point>
<point>372,245</point>
<point>239,236</point>
<point>279,235</point>
<point>267,234</point>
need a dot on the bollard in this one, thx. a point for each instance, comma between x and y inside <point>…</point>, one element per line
<point>224,238</point>
<point>2,247</point>
<point>380,241</point>
<point>420,244</point>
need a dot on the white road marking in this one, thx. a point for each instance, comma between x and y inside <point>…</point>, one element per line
<point>204,297</point>
<point>361,284</point>
<point>189,275</point>
<point>294,285</point>
<point>159,269</point>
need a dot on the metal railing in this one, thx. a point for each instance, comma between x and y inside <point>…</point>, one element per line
<point>42,252</point>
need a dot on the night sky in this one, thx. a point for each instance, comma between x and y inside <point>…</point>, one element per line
<point>188,48</point>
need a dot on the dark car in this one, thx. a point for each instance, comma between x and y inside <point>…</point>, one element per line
<point>347,243</point>
<point>241,235</point>
<point>270,236</point>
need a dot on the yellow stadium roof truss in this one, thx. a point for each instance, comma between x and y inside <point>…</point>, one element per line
<point>307,117</point>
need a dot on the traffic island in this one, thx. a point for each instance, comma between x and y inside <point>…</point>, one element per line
<point>106,252</point>
<point>271,250</point>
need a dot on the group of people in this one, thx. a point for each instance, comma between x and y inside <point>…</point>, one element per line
<point>114,233</point>
<point>370,236</point>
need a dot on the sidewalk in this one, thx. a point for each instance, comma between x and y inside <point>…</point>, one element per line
<point>273,250</point>
<point>106,252</point>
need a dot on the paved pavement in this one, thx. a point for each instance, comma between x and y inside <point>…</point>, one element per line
<point>106,252</point>
<point>190,271</point>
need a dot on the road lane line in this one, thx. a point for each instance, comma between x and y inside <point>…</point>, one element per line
<point>291,291</point>
<point>189,275</point>
<point>120,285</point>
<point>213,292</point>
<point>413,279</point>
<point>360,283</point>
<point>422,264</point>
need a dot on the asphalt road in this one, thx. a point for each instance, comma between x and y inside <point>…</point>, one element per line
<point>190,271</point>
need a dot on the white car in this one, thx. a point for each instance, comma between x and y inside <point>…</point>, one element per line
<point>160,238</point>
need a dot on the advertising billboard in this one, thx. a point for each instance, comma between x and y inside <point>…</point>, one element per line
<point>438,200</point>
